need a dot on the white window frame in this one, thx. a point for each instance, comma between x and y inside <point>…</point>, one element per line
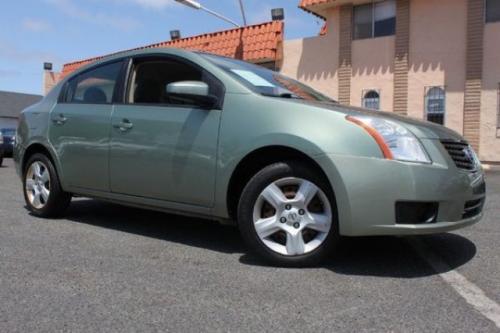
<point>366,91</point>
<point>426,100</point>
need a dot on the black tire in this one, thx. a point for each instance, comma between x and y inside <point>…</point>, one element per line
<point>1,160</point>
<point>249,197</point>
<point>58,200</point>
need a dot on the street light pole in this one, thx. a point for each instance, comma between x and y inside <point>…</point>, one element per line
<point>243,13</point>
<point>220,16</point>
<point>196,5</point>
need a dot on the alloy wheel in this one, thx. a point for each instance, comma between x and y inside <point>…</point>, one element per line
<point>292,216</point>
<point>37,185</point>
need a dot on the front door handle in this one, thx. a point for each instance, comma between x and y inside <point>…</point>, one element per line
<point>124,125</point>
<point>60,119</point>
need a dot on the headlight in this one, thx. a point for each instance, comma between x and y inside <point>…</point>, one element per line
<point>395,141</point>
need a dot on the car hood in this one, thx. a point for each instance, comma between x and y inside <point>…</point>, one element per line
<point>422,129</point>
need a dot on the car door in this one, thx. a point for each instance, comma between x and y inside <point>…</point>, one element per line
<point>164,148</point>
<point>79,129</point>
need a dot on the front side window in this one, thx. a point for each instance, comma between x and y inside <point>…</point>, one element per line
<point>371,99</point>
<point>376,19</point>
<point>435,104</point>
<point>95,86</point>
<point>151,76</point>
<point>492,10</point>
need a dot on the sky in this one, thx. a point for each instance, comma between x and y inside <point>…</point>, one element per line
<point>61,31</point>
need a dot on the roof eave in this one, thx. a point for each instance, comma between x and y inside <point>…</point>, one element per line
<point>320,9</point>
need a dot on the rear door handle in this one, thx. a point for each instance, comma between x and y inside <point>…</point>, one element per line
<point>124,125</point>
<point>60,119</point>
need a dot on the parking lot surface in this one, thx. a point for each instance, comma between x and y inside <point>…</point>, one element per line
<point>106,267</point>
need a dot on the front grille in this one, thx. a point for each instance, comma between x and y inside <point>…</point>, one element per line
<point>473,208</point>
<point>461,153</point>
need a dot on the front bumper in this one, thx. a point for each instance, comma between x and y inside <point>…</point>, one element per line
<point>367,189</point>
<point>17,156</point>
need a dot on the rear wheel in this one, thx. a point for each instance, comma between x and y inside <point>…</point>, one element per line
<point>287,215</point>
<point>42,190</point>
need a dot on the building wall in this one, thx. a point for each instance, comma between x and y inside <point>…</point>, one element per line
<point>50,79</point>
<point>438,56</point>
<point>301,60</point>
<point>373,68</point>
<point>490,134</point>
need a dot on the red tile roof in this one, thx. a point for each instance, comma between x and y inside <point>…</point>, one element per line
<point>306,3</point>
<point>314,6</point>
<point>255,43</point>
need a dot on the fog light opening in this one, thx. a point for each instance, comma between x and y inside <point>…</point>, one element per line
<point>408,212</point>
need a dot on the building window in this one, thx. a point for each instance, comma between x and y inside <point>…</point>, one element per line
<point>435,104</point>
<point>492,10</point>
<point>376,19</point>
<point>371,99</point>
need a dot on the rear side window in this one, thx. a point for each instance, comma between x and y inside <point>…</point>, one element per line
<point>95,86</point>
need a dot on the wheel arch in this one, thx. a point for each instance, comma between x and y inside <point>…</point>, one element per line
<point>258,159</point>
<point>35,148</point>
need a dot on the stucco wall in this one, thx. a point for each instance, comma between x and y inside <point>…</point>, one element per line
<point>437,56</point>
<point>373,68</point>
<point>490,135</point>
<point>50,79</point>
<point>314,60</point>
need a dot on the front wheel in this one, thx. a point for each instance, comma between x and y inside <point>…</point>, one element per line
<point>287,215</point>
<point>42,190</point>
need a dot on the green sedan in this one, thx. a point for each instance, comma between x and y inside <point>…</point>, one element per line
<point>202,135</point>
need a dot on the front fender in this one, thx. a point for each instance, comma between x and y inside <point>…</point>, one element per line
<point>230,159</point>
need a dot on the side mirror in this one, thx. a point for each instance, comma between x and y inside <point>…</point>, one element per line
<point>192,91</point>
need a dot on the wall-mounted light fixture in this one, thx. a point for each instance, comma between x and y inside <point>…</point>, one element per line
<point>278,14</point>
<point>175,34</point>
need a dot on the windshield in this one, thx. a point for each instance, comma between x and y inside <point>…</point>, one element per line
<point>265,81</point>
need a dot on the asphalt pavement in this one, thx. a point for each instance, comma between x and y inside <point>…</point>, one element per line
<point>110,268</point>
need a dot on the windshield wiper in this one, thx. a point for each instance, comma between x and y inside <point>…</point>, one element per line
<point>283,95</point>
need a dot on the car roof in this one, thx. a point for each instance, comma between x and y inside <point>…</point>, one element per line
<point>232,85</point>
<point>146,51</point>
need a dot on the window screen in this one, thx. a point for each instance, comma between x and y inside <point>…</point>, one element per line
<point>435,104</point>
<point>376,19</point>
<point>371,99</point>
<point>363,23</point>
<point>492,10</point>
<point>385,18</point>
<point>94,86</point>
